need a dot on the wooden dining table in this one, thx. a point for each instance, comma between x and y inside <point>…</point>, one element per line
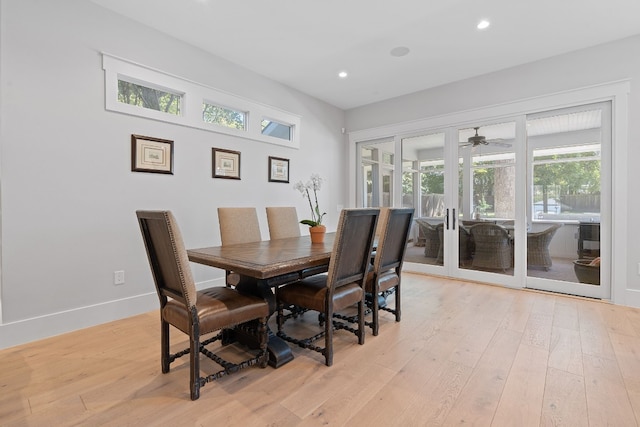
<point>265,265</point>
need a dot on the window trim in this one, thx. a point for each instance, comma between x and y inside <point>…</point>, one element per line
<point>193,96</point>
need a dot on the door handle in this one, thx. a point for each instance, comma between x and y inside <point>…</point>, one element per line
<point>446,219</point>
<point>454,219</point>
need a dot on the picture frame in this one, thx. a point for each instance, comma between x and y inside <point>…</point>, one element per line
<point>225,163</point>
<point>149,154</point>
<point>278,169</point>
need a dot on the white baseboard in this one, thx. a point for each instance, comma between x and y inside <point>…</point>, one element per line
<point>632,298</point>
<point>36,328</point>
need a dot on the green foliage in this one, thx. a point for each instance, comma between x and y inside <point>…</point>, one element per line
<point>146,97</point>
<point>222,116</point>
<point>572,177</point>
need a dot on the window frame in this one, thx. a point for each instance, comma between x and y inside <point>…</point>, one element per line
<point>194,95</point>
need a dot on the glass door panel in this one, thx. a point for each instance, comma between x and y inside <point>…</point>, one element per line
<point>423,188</point>
<point>375,180</point>
<point>486,198</point>
<point>569,185</point>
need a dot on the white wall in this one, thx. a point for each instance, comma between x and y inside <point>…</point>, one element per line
<point>68,196</point>
<point>594,66</point>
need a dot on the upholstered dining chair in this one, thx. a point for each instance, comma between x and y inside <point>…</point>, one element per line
<point>238,225</point>
<point>341,287</point>
<point>538,247</point>
<point>493,248</point>
<point>283,222</point>
<point>196,313</point>
<point>384,279</point>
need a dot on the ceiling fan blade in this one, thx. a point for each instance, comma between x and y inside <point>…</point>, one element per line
<point>499,144</point>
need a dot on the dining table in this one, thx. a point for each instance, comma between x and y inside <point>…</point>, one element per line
<point>264,265</point>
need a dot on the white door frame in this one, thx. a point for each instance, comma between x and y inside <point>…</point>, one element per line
<point>616,92</point>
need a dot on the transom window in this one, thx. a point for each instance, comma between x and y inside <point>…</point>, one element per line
<point>141,91</point>
<point>148,97</point>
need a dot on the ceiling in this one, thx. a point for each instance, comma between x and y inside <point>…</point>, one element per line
<point>304,44</point>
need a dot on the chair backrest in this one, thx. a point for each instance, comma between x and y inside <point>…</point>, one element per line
<point>424,223</point>
<point>545,235</point>
<point>489,233</point>
<point>167,257</point>
<point>351,255</point>
<point>283,222</point>
<point>394,227</point>
<point>382,221</point>
<point>238,225</point>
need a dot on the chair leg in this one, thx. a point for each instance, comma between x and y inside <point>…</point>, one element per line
<point>361,318</point>
<point>398,314</point>
<point>374,308</point>
<point>194,364</point>
<point>194,355</point>
<point>328,340</point>
<point>164,346</point>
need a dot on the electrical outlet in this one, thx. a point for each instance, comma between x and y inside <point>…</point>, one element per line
<point>118,277</point>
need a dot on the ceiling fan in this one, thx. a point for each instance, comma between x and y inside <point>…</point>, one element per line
<point>475,140</point>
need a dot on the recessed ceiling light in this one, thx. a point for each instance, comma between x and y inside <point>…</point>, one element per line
<point>399,51</point>
<point>343,74</point>
<point>483,24</point>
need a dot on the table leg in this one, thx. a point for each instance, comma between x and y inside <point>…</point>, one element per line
<point>279,351</point>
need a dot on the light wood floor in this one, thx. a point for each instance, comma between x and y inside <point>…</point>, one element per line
<point>464,353</point>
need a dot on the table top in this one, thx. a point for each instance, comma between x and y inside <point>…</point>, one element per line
<point>268,258</point>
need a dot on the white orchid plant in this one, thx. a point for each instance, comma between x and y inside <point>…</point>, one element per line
<point>314,185</point>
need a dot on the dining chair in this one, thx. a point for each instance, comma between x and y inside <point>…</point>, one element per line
<point>238,225</point>
<point>464,245</point>
<point>385,277</point>
<point>341,287</point>
<point>431,238</point>
<point>283,222</point>
<point>538,247</point>
<point>197,313</point>
<point>493,249</point>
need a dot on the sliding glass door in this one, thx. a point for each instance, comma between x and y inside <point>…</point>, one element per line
<point>423,188</point>
<point>523,201</point>
<point>486,212</point>
<point>375,182</point>
<point>569,200</point>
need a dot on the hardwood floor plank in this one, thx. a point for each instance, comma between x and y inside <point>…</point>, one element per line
<point>521,400</point>
<point>479,398</point>
<point>607,399</point>
<point>437,396</point>
<point>565,351</point>
<point>565,402</point>
<point>627,350</point>
<point>594,335</point>
<point>617,320</point>
<point>565,315</point>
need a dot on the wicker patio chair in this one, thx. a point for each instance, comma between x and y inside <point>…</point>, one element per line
<point>464,245</point>
<point>538,247</point>
<point>432,240</point>
<point>493,249</point>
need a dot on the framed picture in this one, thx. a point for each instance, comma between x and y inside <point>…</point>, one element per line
<point>278,169</point>
<point>151,154</point>
<point>226,163</point>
